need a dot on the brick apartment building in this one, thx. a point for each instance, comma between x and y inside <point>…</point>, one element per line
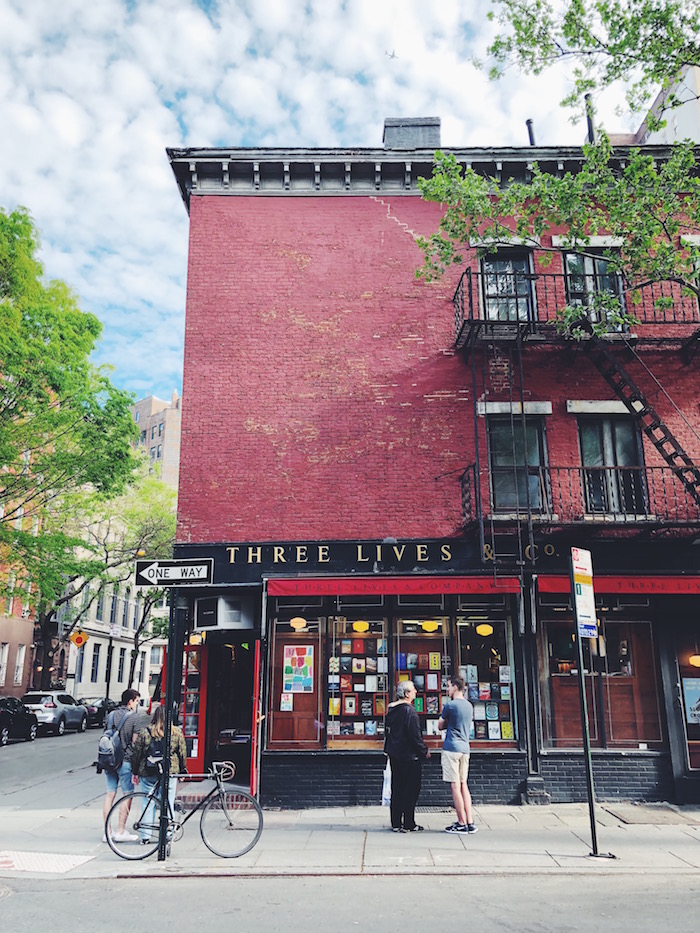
<point>389,476</point>
<point>160,423</point>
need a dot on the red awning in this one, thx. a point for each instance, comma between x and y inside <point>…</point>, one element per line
<point>549,583</point>
<point>394,586</point>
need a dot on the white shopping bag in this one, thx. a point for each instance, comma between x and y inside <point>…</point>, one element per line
<point>386,786</point>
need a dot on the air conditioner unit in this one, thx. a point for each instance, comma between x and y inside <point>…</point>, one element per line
<point>224,612</point>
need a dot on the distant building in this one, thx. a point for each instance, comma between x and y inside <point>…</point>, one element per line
<point>159,425</point>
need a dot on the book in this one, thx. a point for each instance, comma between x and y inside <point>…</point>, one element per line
<point>472,673</point>
<point>495,692</point>
<point>473,691</point>
<point>432,705</point>
<point>334,706</point>
<point>371,683</point>
<point>411,662</point>
<point>494,730</point>
<point>492,712</point>
<point>479,730</point>
<point>401,661</point>
<point>358,684</point>
<point>333,681</point>
<point>380,727</point>
<point>371,727</point>
<point>484,691</point>
<point>479,711</point>
<point>423,661</point>
<point>334,665</point>
<point>366,707</point>
<point>358,646</point>
<point>381,646</point>
<point>345,664</point>
<point>504,710</point>
<point>504,673</point>
<point>431,682</point>
<point>346,683</point>
<point>505,691</point>
<point>507,730</point>
<point>349,704</point>
<point>419,682</point>
<point>383,683</point>
<point>371,665</point>
<point>419,704</point>
<point>371,646</point>
<point>434,660</point>
<point>346,728</point>
<point>333,727</point>
<point>379,705</point>
<point>382,665</point>
<point>358,665</point>
<point>346,646</point>
<point>431,727</point>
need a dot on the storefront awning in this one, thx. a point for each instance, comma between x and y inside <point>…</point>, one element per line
<point>669,585</point>
<point>392,586</point>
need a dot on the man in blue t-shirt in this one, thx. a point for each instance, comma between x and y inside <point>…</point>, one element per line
<point>456,717</point>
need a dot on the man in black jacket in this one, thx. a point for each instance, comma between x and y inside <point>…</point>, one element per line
<point>406,750</point>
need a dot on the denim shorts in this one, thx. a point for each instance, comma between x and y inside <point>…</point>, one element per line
<point>121,778</point>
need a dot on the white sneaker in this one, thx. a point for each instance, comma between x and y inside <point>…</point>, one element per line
<point>125,837</point>
<point>104,837</point>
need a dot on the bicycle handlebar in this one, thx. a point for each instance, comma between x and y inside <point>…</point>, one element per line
<point>225,770</point>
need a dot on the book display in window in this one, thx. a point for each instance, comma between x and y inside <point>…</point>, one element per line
<point>357,702</point>
<point>483,651</point>
<point>420,655</point>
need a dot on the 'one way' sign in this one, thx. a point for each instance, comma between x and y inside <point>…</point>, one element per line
<point>174,572</point>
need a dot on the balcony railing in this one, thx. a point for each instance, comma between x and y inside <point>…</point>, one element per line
<point>579,495</point>
<point>527,302</point>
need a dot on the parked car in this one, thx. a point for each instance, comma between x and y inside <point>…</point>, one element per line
<point>16,721</point>
<point>98,708</point>
<point>56,711</point>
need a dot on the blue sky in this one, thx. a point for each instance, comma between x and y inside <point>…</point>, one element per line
<point>91,93</point>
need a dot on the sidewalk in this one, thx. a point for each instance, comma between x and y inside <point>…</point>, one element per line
<point>56,832</point>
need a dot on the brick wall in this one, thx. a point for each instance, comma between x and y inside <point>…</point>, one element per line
<point>623,776</point>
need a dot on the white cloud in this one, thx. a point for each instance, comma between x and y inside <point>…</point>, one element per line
<point>91,94</point>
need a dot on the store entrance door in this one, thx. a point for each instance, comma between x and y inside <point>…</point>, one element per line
<point>230,701</point>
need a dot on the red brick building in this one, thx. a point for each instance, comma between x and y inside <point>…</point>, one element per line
<point>389,476</point>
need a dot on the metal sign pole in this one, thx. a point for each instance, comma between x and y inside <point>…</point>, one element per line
<point>583,600</point>
<point>172,700</point>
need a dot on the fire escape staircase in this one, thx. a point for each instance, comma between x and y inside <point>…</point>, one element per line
<point>651,423</point>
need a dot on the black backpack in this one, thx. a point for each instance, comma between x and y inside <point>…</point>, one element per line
<point>154,760</point>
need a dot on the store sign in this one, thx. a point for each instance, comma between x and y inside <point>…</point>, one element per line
<point>582,592</point>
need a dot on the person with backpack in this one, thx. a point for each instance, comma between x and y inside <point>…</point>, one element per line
<point>147,760</point>
<point>114,758</point>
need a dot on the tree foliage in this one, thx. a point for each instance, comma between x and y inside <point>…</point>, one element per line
<point>63,425</point>
<point>645,44</point>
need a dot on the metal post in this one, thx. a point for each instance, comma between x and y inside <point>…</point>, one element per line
<point>110,651</point>
<point>172,701</point>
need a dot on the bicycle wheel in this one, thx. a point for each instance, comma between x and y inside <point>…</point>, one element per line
<point>231,823</point>
<point>139,838</point>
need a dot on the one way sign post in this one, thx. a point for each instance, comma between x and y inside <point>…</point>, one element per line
<point>193,572</point>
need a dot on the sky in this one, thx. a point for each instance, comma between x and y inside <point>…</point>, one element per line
<point>93,91</point>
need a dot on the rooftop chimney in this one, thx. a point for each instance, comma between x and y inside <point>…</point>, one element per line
<point>412,133</point>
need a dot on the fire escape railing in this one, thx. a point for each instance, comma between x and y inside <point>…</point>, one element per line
<point>579,495</point>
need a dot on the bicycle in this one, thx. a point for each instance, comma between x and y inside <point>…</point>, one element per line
<point>230,824</point>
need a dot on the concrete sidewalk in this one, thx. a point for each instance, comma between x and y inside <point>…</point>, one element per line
<point>51,832</point>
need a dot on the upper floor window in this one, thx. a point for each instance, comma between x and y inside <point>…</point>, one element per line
<point>517,461</point>
<point>611,457</point>
<point>153,432</point>
<point>587,278</point>
<point>160,429</point>
<point>143,437</point>
<point>137,416</point>
<point>508,287</point>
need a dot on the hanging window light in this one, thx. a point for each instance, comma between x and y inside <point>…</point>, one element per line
<point>430,625</point>
<point>484,629</point>
<point>297,623</point>
<point>694,660</point>
<point>360,626</point>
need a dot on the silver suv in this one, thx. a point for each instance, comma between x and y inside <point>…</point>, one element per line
<point>56,711</point>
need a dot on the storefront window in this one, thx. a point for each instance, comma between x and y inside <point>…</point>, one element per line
<point>295,716</point>
<point>621,686</point>
<point>485,666</point>
<point>422,654</point>
<point>358,682</point>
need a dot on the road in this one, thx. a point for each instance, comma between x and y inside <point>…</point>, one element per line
<point>373,905</point>
<point>24,765</point>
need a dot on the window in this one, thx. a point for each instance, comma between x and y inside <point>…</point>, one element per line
<point>485,666</point>
<point>137,416</point>
<point>517,464</point>
<point>153,453</point>
<point>95,663</point>
<point>507,284</point>
<point>4,652</point>
<point>611,459</point>
<point>159,451</point>
<point>125,610</point>
<point>142,666</point>
<point>153,432</point>
<point>79,665</point>
<point>143,437</point>
<point>122,661</point>
<point>19,664</point>
<point>137,611</point>
<point>99,611</point>
<point>156,655</point>
<point>160,429</point>
<point>9,601</point>
<point>588,278</point>
<point>17,521</point>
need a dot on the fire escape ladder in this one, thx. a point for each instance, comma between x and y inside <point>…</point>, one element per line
<point>651,422</point>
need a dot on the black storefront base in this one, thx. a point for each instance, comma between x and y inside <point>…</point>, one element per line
<point>616,776</point>
<point>301,780</point>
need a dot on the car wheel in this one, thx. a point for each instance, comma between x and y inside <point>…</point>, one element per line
<point>60,727</point>
<point>4,736</point>
<point>31,735</point>
<point>83,724</point>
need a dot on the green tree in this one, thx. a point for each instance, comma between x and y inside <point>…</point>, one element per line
<point>645,44</point>
<point>63,425</point>
<point>88,543</point>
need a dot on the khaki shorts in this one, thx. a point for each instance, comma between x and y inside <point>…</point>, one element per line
<point>455,767</point>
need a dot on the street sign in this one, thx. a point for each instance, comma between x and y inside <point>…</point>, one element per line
<point>79,638</point>
<point>584,597</point>
<point>174,572</point>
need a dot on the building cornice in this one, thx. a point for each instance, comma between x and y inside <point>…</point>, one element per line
<point>351,172</point>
